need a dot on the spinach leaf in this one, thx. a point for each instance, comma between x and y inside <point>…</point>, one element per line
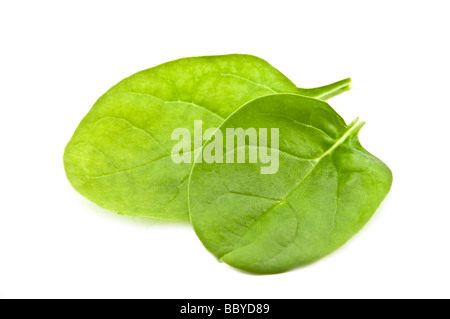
<point>120,155</point>
<point>326,189</point>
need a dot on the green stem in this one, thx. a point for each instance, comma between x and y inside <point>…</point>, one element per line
<point>328,91</point>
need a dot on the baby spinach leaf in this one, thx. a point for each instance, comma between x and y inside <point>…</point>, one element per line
<point>326,189</point>
<point>120,155</point>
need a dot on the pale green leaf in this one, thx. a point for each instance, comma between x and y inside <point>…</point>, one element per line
<point>120,155</point>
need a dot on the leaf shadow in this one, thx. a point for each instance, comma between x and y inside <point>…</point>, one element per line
<point>136,220</point>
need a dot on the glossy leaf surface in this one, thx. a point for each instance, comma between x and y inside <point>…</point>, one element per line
<point>120,155</point>
<point>326,189</point>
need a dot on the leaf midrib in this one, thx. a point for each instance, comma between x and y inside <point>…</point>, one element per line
<point>354,127</point>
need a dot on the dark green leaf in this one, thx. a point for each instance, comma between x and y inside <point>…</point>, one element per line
<point>326,189</point>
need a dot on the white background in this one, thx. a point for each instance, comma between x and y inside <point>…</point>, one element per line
<point>58,57</point>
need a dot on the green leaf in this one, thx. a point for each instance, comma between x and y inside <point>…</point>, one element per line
<point>326,189</point>
<point>120,155</point>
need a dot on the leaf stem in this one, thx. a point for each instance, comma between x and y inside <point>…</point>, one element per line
<point>328,91</point>
<point>353,129</point>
